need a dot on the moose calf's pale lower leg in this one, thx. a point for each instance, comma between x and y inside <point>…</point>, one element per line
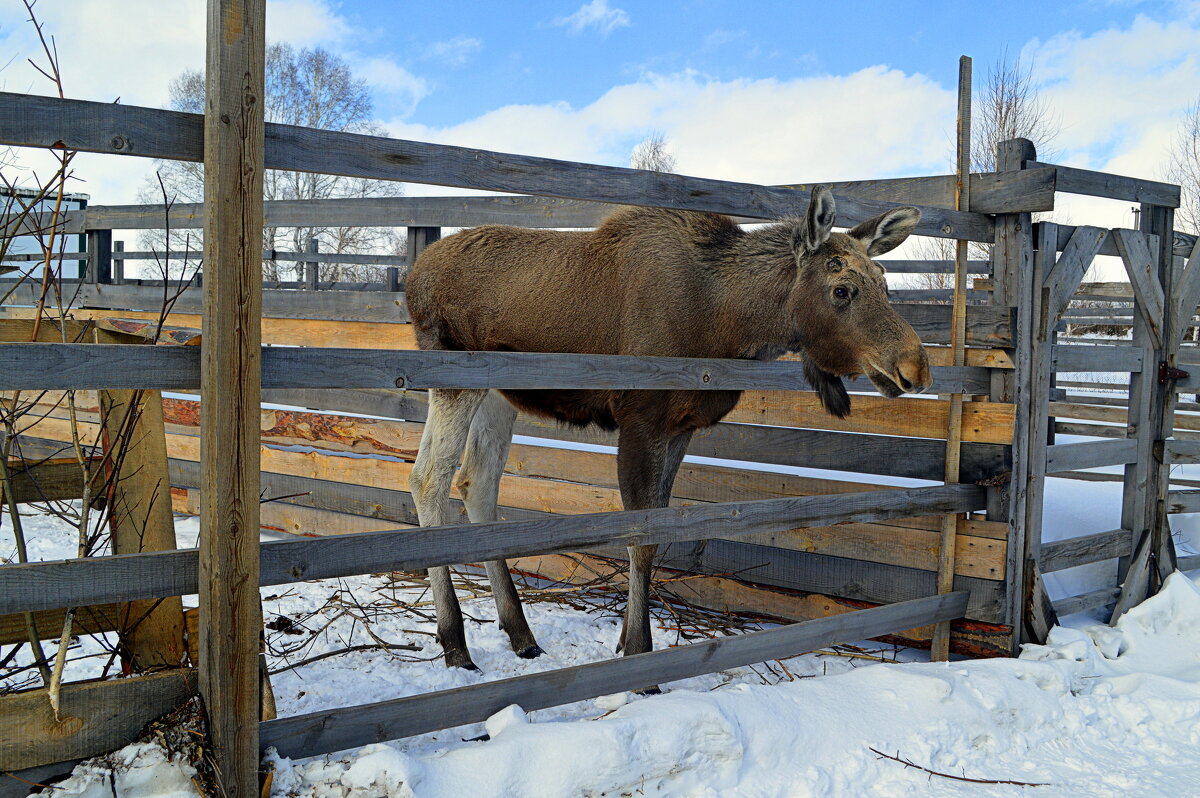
<point>442,442</point>
<point>479,484</point>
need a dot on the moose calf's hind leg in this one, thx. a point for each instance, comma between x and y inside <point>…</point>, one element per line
<point>445,434</point>
<point>479,485</point>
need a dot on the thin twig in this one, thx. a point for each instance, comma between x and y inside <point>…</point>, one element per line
<point>908,763</point>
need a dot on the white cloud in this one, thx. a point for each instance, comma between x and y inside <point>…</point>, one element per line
<point>595,14</point>
<point>872,123</point>
<point>454,52</point>
<point>385,76</point>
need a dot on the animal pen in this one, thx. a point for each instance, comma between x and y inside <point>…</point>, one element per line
<point>841,560</point>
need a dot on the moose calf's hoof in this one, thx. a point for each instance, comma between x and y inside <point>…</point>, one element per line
<point>653,689</point>
<point>531,652</point>
<point>460,659</point>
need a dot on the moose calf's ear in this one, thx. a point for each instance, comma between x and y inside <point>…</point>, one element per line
<point>886,231</point>
<point>814,230</point>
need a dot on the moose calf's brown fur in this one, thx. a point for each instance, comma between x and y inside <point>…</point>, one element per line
<point>645,282</point>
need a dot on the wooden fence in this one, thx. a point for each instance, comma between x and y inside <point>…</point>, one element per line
<point>855,540</point>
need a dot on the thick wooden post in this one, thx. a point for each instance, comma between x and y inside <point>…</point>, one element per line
<point>418,239</point>
<point>99,263</point>
<point>312,269</point>
<point>1012,270</point>
<point>230,611</point>
<point>141,519</point>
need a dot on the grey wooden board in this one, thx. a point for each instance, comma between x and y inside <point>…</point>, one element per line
<point>986,325</point>
<point>1181,452</point>
<point>1141,263</point>
<point>1187,294</point>
<point>990,192</point>
<point>126,577</point>
<point>1068,553</point>
<point>825,574</point>
<point>81,366</point>
<point>19,787</point>
<point>349,727</point>
<point>904,266</point>
<point>32,121</point>
<point>1183,501</point>
<point>104,580</point>
<point>1136,585</point>
<point>1189,563</point>
<point>1087,601</point>
<point>360,500</point>
<point>917,458</point>
<point>1068,270</point>
<point>1102,184</point>
<point>1068,357</point>
<point>110,715</point>
<point>1090,454</point>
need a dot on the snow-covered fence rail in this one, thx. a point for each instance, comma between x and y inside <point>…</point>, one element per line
<point>1012,360</point>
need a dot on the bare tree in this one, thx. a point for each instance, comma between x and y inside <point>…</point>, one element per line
<point>652,154</point>
<point>1184,169</point>
<point>1007,106</point>
<point>310,88</point>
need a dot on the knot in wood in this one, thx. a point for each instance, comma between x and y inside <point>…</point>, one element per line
<point>119,143</point>
<point>399,382</point>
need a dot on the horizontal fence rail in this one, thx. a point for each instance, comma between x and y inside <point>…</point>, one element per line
<point>350,727</point>
<point>102,580</point>
<point>46,366</point>
<point>152,133</point>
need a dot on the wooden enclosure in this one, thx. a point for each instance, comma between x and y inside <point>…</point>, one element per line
<point>843,559</point>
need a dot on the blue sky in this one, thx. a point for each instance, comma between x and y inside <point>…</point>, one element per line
<point>475,56</point>
<point>758,92</point>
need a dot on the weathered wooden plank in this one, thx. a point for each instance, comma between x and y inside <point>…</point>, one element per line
<point>1176,452</point>
<point>1068,357</point>
<point>49,623</point>
<point>1186,295</point>
<point>230,380</point>
<point>1090,454</point>
<point>51,480</point>
<point>94,127</point>
<point>1031,189</point>
<point>367,306</point>
<point>83,366</point>
<point>1072,180</point>
<point>731,595</point>
<point>1087,601</point>
<point>100,580</point>
<point>1063,279</point>
<point>1183,501</point>
<point>1142,266</point>
<point>1084,549</point>
<point>96,717</point>
<point>308,735</point>
<point>140,519</point>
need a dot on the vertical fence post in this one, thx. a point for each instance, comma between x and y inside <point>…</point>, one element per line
<point>99,262</point>
<point>418,239</point>
<point>230,609</point>
<point>118,263</point>
<point>392,282</point>
<point>312,269</point>
<point>1012,272</point>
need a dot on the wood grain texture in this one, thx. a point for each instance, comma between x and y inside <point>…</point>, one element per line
<point>101,580</point>
<point>1138,255</point>
<point>1100,184</point>
<point>140,519</point>
<point>1084,549</point>
<point>308,735</point>
<point>1090,454</point>
<point>230,380</point>
<point>93,127</point>
<point>96,717</point>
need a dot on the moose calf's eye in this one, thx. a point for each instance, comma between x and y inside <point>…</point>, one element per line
<point>841,292</point>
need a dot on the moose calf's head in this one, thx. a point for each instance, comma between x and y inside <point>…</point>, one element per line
<point>847,327</point>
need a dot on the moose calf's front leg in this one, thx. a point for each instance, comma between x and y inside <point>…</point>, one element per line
<point>646,468</point>
<point>442,442</point>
